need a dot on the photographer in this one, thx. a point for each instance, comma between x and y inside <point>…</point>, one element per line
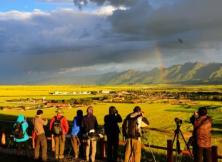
<point>131,130</point>
<point>90,126</point>
<point>193,138</point>
<point>202,129</point>
<point>41,141</point>
<point>112,132</point>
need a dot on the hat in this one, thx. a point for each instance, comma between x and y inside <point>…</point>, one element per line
<point>59,111</point>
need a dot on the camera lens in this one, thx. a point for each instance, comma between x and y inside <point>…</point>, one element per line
<point>178,121</point>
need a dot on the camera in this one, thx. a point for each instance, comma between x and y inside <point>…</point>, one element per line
<point>178,121</point>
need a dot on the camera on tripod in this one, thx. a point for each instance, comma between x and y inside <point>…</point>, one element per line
<point>178,121</point>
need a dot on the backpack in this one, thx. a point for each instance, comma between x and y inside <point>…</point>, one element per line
<point>57,128</point>
<point>18,131</point>
<point>131,128</point>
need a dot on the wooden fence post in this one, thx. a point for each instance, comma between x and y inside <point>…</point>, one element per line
<point>169,151</point>
<point>214,154</point>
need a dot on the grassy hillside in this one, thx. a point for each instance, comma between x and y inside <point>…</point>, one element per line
<point>188,73</point>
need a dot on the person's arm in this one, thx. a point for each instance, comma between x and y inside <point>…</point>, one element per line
<point>96,124</point>
<point>105,124</point>
<point>74,122</point>
<point>118,118</point>
<point>25,126</point>
<point>83,125</point>
<point>51,123</point>
<point>145,122</point>
<point>105,119</point>
<point>192,119</point>
<point>124,127</point>
<point>33,121</point>
<point>75,127</point>
<point>44,122</point>
<point>66,125</point>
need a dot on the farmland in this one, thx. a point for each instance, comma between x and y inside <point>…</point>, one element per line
<point>165,103</point>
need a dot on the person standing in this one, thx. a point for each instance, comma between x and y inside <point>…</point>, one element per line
<point>40,138</point>
<point>90,126</point>
<point>193,139</point>
<point>77,133</point>
<point>21,136</point>
<point>131,130</point>
<point>203,126</point>
<point>59,127</point>
<point>112,132</point>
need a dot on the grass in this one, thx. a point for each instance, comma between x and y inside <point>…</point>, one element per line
<point>160,115</point>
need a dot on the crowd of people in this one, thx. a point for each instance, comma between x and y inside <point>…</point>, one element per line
<point>84,134</point>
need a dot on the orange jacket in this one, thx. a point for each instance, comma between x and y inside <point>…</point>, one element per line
<point>203,127</point>
<point>64,124</point>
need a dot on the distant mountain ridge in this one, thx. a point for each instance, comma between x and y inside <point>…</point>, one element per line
<point>188,73</point>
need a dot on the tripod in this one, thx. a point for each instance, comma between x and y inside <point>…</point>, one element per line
<point>178,132</point>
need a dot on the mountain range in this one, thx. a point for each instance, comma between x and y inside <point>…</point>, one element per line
<point>188,73</point>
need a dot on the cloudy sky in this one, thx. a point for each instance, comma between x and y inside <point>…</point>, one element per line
<point>46,38</point>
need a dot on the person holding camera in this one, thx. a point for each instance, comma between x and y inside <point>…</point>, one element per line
<point>131,130</point>
<point>202,129</point>
<point>90,126</point>
<point>112,132</point>
<point>40,138</point>
<point>193,139</point>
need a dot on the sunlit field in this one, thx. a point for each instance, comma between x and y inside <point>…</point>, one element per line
<point>161,115</point>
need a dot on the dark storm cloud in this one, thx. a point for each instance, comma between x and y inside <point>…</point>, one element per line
<point>55,59</point>
<point>62,39</point>
<point>201,17</point>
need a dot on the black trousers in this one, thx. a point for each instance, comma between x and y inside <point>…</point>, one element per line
<point>195,151</point>
<point>112,147</point>
<point>204,154</point>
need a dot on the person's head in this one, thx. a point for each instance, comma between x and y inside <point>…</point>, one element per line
<point>39,112</point>
<point>137,109</point>
<point>90,110</point>
<point>202,111</point>
<point>112,110</point>
<point>79,113</point>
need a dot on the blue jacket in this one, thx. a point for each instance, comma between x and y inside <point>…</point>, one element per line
<point>20,119</point>
<point>76,127</point>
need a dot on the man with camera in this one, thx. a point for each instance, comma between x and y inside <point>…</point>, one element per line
<point>131,130</point>
<point>90,126</point>
<point>112,132</point>
<point>40,138</point>
<point>202,134</point>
